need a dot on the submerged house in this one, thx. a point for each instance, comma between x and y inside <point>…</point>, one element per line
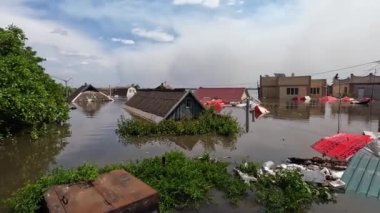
<point>285,87</point>
<point>118,92</point>
<point>357,86</point>
<point>88,93</point>
<point>160,104</point>
<point>227,94</point>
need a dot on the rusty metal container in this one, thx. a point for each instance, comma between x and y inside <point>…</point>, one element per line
<point>116,191</point>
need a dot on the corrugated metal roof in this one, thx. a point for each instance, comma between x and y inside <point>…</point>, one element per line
<point>363,174</point>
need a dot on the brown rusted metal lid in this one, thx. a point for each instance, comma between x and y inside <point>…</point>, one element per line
<point>114,191</point>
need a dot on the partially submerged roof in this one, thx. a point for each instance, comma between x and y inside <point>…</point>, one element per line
<point>362,175</point>
<point>156,105</point>
<point>227,94</point>
<point>84,88</point>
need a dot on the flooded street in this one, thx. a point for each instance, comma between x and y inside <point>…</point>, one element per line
<point>288,131</point>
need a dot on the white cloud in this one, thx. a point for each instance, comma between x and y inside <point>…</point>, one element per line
<point>64,54</point>
<point>206,3</point>
<point>231,2</point>
<point>156,35</point>
<point>302,37</point>
<point>288,38</point>
<point>60,31</point>
<point>123,41</point>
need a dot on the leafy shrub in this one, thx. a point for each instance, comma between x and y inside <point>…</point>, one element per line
<point>287,192</point>
<point>181,181</point>
<point>208,122</point>
<point>29,98</point>
<point>184,182</point>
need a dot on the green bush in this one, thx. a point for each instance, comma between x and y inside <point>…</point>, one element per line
<point>208,122</point>
<point>181,181</point>
<point>287,192</point>
<point>184,183</point>
<point>29,98</point>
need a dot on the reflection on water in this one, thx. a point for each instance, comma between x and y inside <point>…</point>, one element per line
<point>208,142</point>
<point>90,109</point>
<point>288,131</point>
<point>22,159</point>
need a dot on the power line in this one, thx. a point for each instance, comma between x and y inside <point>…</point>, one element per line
<point>313,74</point>
<point>344,68</point>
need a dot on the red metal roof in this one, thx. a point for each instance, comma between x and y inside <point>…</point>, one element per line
<point>342,145</point>
<point>227,94</point>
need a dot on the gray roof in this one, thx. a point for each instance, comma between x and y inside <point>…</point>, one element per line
<point>83,88</point>
<point>362,175</point>
<point>157,102</point>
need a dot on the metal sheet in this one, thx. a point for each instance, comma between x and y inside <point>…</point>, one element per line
<point>116,191</point>
<point>362,175</point>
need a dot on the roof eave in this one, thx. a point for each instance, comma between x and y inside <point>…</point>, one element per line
<point>180,100</point>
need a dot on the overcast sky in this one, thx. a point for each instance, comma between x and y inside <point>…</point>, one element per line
<point>191,43</point>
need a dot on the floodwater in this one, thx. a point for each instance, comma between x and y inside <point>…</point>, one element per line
<point>288,131</point>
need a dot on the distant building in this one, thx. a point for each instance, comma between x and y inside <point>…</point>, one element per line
<point>280,86</point>
<point>88,93</point>
<point>160,104</point>
<point>357,86</point>
<point>227,94</point>
<point>115,91</point>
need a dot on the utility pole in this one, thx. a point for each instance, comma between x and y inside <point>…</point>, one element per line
<point>373,78</point>
<point>66,81</point>
<point>247,115</point>
<point>340,101</point>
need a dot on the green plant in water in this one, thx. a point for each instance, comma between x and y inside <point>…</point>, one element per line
<point>208,122</point>
<point>184,183</point>
<point>181,181</point>
<point>287,192</point>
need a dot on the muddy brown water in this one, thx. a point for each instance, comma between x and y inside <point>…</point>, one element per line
<point>288,131</point>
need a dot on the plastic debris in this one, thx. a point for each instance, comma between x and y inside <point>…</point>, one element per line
<point>336,174</point>
<point>313,170</point>
<point>313,176</point>
<point>247,179</point>
<point>268,167</point>
<point>337,183</point>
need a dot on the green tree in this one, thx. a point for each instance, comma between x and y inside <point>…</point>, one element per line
<point>29,98</point>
